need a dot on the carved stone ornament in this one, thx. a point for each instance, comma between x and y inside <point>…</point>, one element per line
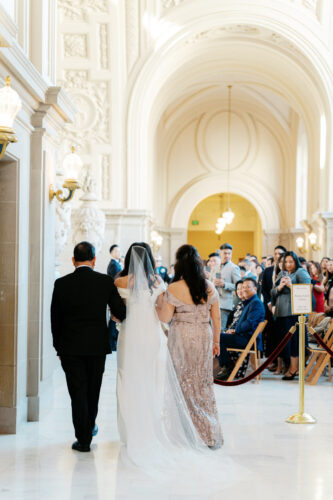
<point>167,4</point>
<point>75,45</point>
<point>92,120</point>
<point>88,221</point>
<point>79,10</point>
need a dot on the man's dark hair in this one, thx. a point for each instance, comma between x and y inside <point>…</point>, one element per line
<point>112,247</point>
<point>84,251</point>
<point>214,254</point>
<point>302,260</point>
<point>242,268</point>
<point>226,246</point>
<point>239,282</point>
<point>280,247</point>
<point>252,280</point>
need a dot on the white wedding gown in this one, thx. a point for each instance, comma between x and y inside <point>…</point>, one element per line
<point>158,438</point>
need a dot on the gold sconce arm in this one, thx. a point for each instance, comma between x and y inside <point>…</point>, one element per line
<point>69,184</point>
<point>7,135</point>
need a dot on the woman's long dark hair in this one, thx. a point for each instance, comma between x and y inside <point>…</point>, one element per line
<point>148,252</point>
<point>291,254</point>
<point>189,267</point>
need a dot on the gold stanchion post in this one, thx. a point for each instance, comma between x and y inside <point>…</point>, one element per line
<point>301,417</point>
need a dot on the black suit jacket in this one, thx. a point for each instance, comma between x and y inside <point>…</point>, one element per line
<point>78,312</point>
<point>113,268</point>
<point>267,284</point>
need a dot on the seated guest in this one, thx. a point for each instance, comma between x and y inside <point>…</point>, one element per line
<point>253,313</point>
<point>162,270</point>
<point>269,261</point>
<point>242,271</point>
<point>214,264</point>
<point>238,307</point>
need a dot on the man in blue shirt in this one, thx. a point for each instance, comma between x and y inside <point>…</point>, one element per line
<point>253,313</point>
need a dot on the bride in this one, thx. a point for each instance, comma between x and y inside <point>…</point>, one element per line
<point>156,430</point>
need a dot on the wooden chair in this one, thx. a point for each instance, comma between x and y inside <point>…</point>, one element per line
<point>320,359</point>
<point>251,348</point>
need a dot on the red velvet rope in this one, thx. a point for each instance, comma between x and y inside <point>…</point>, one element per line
<point>322,343</point>
<point>268,361</point>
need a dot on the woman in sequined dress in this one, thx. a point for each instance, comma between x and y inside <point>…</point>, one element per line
<point>190,303</point>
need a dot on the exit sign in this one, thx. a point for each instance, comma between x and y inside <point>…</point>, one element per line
<point>195,223</point>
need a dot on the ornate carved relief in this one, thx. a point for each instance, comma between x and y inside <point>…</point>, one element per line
<point>222,31</point>
<point>79,10</point>
<point>105,174</point>
<point>132,33</point>
<point>310,4</point>
<point>103,46</point>
<point>92,121</point>
<point>75,45</point>
<point>62,229</point>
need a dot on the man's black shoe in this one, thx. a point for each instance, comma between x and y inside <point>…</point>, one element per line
<point>80,447</point>
<point>95,431</point>
<point>224,373</point>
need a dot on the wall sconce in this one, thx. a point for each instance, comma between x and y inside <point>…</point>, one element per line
<point>10,105</point>
<point>156,240</point>
<point>313,242</point>
<point>300,244</point>
<point>72,164</point>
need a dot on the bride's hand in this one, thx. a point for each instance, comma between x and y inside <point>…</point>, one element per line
<point>216,349</point>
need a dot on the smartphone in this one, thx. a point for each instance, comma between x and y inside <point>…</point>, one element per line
<point>284,274</point>
<point>218,276</point>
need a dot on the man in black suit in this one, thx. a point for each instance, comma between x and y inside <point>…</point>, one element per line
<point>80,336</point>
<point>266,287</point>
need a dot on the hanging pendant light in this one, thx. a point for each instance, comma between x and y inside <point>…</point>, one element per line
<point>10,105</point>
<point>228,215</point>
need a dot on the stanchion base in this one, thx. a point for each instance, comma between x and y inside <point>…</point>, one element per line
<point>301,418</point>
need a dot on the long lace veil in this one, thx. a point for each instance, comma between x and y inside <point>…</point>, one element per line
<point>151,402</point>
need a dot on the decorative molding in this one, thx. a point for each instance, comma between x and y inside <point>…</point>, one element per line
<point>103,46</point>
<point>62,229</point>
<point>75,45</point>
<point>132,33</point>
<point>311,4</point>
<point>79,10</point>
<point>105,176</point>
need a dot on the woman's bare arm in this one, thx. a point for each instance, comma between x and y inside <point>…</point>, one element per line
<point>164,310</point>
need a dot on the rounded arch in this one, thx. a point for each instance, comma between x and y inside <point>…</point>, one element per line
<point>291,37</point>
<point>182,206</point>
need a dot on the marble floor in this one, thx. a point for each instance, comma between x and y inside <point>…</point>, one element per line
<point>283,461</point>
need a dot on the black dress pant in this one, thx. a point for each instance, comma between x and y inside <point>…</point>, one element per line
<point>84,379</point>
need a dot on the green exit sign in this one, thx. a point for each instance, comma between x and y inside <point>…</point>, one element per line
<point>195,223</point>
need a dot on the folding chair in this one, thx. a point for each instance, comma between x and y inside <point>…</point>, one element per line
<point>319,359</point>
<point>251,348</point>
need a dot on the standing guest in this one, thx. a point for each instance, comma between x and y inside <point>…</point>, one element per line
<point>263,262</point>
<point>329,304</point>
<point>292,273</point>
<point>269,261</point>
<point>323,265</point>
<point>171,272</point>
<point>248,264</point>
<point>318,287</point>
<point>266,287</point>
<point>114,266</point>
<point>225,282</point>
<point>161,270</point>
<point>191,302</point>
<point>253,313</point>
<point>328,280</point>
<point>214,263</point>
<point>303,262</point>
<point>259,273</point>
<point>242,270</point>
<point>80,336</point>
<point>113,269</point>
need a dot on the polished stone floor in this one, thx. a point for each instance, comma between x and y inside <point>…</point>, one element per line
<point>284,461</point>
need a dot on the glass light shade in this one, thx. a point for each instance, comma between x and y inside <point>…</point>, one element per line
<point>159,240</point>
<point>72,164</point>
<point>219,231</point>
<point>313,238</point>
<point>228,216</point>
<point>300,242</point>
<point>221,223</point>
<point>153,235</point>
<point>10,105</point>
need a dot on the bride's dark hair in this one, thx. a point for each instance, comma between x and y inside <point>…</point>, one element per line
<point>148,254</point>
<point>189,267</point>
